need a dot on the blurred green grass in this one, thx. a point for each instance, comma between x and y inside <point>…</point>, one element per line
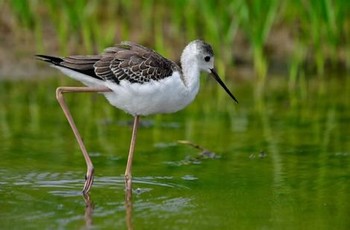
<point>316,31</point>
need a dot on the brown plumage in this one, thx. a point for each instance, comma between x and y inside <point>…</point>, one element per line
<point>125,61</point>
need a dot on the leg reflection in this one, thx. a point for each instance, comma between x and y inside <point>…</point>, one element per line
<point>89,208</point>
<point>128,209</point>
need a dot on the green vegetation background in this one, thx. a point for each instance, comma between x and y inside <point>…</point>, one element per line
<point>291,36</point>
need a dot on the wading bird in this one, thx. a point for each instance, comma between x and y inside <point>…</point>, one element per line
<point>137,80</point>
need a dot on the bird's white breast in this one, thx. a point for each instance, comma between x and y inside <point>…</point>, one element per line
<point>156,96</point>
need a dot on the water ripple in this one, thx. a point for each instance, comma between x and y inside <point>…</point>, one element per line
<point>70,183</point>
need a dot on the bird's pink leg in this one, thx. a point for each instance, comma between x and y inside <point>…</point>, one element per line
<point>128,177</point>
<point>61,101</point>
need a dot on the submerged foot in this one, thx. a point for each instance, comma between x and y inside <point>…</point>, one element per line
<point>89,179</point>
<point>128,187</point>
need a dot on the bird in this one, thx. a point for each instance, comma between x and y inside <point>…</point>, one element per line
<point>137,80</point>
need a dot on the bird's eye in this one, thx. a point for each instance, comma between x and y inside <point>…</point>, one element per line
<point>207,58</point>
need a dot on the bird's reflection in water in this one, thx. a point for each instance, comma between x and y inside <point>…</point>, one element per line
<point>146,184</point>
<point>128,209</point>
<point>89,209</point>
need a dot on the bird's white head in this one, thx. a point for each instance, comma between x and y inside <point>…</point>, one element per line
<point>198,55</point>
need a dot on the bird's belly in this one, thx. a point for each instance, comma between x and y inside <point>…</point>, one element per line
<point>165,96</point>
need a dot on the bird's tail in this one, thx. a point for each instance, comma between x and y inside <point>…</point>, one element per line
<point>50,59</point>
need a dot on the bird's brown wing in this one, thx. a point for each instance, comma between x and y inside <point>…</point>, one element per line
<point>78,63</point>
<point>134,63</point>
<point>82,63</point>
<point>126,61</point>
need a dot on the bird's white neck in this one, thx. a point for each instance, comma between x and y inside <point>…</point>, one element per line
<point>190,70</point>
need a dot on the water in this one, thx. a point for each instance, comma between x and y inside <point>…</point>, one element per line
<point>277,161</point>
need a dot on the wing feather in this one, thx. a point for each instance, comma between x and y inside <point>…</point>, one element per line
<point>125,61</point>
<point>133,62</point>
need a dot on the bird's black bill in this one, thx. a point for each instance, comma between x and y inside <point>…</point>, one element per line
<point>217,78</point>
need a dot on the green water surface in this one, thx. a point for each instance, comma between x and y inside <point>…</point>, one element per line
<point>280,160</point>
